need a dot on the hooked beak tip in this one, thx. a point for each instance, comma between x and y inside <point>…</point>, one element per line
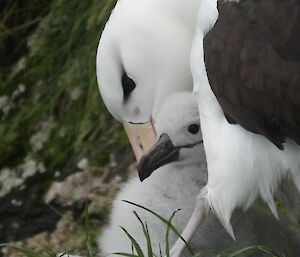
<point>162,153</point>
<point>142,178</point>
<point>142,170</point>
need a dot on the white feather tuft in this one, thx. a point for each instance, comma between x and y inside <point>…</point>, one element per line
<point>273,208</point>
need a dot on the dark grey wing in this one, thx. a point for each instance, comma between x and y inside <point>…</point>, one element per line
<point>252,57</point>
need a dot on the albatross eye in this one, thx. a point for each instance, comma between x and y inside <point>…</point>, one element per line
<point>128,85</point>
<point>194,128</point>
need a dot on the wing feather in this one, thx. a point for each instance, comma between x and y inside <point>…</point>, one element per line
<point>252,57</point>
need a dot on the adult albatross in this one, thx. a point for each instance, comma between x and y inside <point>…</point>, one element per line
<point>247,80</point>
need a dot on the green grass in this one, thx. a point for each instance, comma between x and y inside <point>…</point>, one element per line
<point>29,253</point>
<point>58,39</point>
<point>165,221</point>
<point>231,252</point>
<point>137,250</point>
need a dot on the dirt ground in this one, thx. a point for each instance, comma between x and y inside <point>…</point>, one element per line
<point>54,219</point>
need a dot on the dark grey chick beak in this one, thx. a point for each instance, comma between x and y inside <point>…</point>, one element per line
<point>162,153</point>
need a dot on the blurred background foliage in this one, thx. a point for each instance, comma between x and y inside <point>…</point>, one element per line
<point>51,113</point>
<point>47,77</point>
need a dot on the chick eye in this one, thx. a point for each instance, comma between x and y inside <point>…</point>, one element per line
<point>128,85</point>
<point>194,128</point>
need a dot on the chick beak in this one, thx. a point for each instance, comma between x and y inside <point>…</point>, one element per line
<point>162,153</point>
<point>141,137</point>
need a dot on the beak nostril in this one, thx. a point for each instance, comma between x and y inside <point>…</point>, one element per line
<point>141,147</point>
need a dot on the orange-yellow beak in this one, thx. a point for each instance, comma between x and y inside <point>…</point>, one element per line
<point>141,136</point>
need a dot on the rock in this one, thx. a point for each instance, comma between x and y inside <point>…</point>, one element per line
<point>83,164</point>
<point>8,181</point>
<point>80,186</point>
<point>67,235</point>
<point>39,139</point>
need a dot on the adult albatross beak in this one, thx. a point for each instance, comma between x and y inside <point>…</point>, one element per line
<point>141,137</point>
<point>160,154</point>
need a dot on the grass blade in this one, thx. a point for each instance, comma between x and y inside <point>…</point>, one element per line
<point>160,253</point>
<point>269,251</point>
<point>164,221</point>
<point>135,244</point>
<point>126,254</point>
<point>233,252</point>
<point>149,244</point>
<point>167,233</point>
<point>146,233</point>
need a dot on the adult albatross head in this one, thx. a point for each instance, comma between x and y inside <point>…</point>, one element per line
<point>143,56</point>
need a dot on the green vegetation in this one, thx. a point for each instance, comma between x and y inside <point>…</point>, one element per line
<point>51,112</point>
<point>49,74</point>
<point>29,253</point>
<point>137,250</point>
<point>232,252</point>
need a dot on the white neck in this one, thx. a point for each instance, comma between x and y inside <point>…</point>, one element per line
<point>208,104</point>
<point>207,16</point>
<point>211,113</point>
